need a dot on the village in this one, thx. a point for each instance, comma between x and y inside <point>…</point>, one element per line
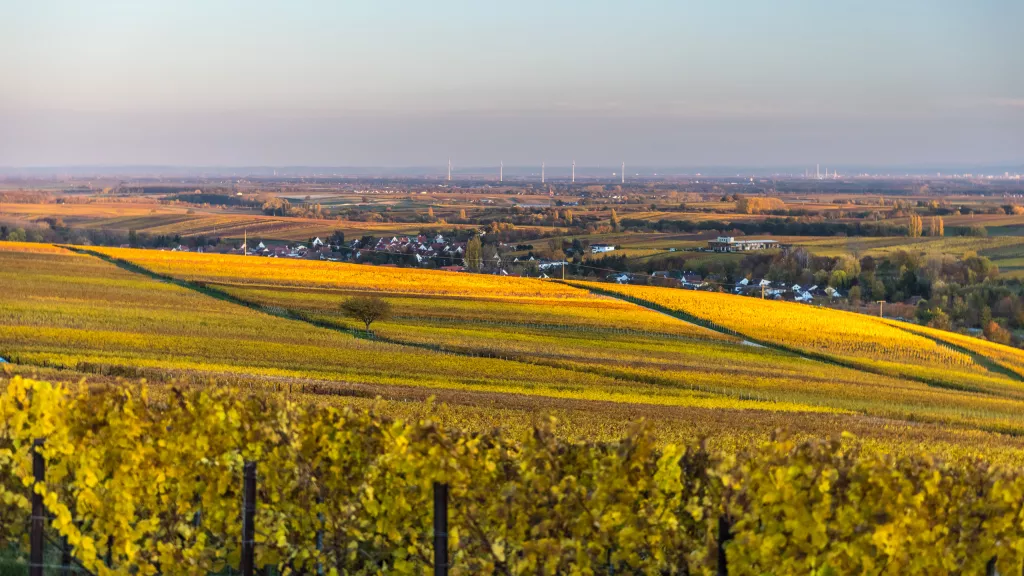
<point>448,254</point>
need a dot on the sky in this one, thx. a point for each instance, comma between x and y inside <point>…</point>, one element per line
<point>387,83</point>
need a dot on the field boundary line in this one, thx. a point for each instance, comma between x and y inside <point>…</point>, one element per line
<point>990,363</point>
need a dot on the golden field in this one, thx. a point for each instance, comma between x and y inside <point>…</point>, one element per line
<point>630,353</point>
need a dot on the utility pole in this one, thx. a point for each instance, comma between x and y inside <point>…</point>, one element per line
<point>880,304</point>
<point>762,291</point>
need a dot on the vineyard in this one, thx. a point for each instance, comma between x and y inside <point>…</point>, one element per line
<point>494,353</point>
<point>143,483</point>
<point>850,339</point>
<point>654,356</point>
<point>253,359</point>
<point>153,218</point>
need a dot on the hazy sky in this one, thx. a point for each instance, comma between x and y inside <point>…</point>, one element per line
<point>379,82</point>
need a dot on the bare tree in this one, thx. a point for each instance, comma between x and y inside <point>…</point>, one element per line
<point>366,309</point>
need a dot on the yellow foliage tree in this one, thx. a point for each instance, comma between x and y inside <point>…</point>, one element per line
<point>757,205</point>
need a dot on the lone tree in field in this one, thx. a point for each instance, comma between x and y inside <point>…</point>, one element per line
<point>366,309</point>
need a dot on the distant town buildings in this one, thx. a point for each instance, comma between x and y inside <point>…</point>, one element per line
<point>730,244</point>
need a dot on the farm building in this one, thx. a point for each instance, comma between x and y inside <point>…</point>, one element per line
<point>730,244</point>
<point>599,248</point>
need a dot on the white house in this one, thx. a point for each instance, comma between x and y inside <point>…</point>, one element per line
<point>600,248</point>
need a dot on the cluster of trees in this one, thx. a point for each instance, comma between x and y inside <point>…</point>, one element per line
<point>277,206</point>
<point>209,199</point>
<point>25,197</point>
<point>758,204</point>
<point>20,234</point>
<point>915,227</point>
<point>950,292</point>
<point>53,230</point>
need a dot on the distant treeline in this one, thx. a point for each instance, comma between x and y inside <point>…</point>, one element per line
<point>789,227</point>
<point>775,226</point>
<point>53,231</point>
<point>213,199</point>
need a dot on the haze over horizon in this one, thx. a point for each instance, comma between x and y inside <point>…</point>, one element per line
<point>389,84</point>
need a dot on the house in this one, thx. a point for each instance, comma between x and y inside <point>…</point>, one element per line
<point>693,281</point>
<point>452,268</point>
<point>832,292</point>
<point>601,248</point>
<point>620,278</point>
<point>317,242</point>
<point>547,265</point>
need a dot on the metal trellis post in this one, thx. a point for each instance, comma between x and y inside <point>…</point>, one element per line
<point>248,518</point>
<point>35,565</point>
<point>724,535</point>
<point>440,529</point>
